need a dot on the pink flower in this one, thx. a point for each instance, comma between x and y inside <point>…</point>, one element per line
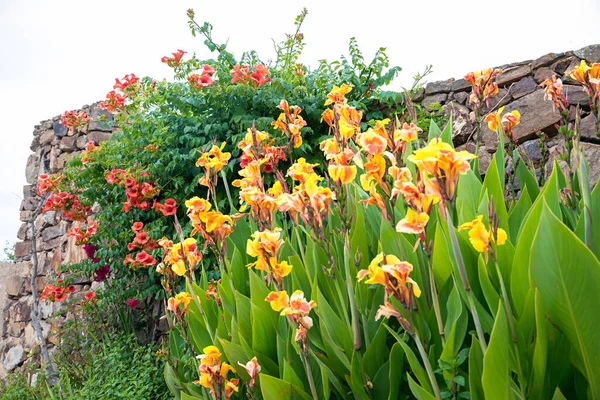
<point>133,303</point>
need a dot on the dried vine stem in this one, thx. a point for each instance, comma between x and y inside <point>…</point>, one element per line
<point>48,362</point>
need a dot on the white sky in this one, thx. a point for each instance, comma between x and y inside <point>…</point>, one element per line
<point>59,55</point>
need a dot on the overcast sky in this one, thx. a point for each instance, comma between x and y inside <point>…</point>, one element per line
<point>59,55</point>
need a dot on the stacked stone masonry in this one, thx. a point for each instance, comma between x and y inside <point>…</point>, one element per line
<point>520,90</point>
<point>53,145</point>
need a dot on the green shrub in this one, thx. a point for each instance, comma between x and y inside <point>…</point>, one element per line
<point>115,368</point>
<point>166,124</point>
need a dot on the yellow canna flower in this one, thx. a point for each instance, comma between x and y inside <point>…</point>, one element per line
<point>375,167</point>
<point>179,267</point>
<point>182,299</point>
<point>479,236</point>
<point>278,300</point>
<point>338,94</point>
<point>413,222</point>
<point>439,164</point>
<point>211,356</point>
<point>493,120</point>
<point>265,245</point>
<point>280,269</point>
<point>301,170</point>
<point>342,173</point>
<point>579,73</point>
<point>511,120</point>
<point>375,273</point>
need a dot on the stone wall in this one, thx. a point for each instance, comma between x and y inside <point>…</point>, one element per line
<point>520,90</point>
<point>52,146</point>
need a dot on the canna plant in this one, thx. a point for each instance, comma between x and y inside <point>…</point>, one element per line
<point>388,270</point>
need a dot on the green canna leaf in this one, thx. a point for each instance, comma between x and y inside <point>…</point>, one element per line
<point>475,369</point>
<point>274,388</point>
<point>415,366</point>
<point>566,273</point>
<point>540,353</point>
<point>495,378</point>
<point>418,391</point>
<point>396,369</point>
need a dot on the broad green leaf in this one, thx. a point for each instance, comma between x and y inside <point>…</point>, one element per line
<point>239,273</point>
<point>263,333</point>
<point>454,342</point>
<point>258,294</point>
<point>446,135</point>
<point>274,388</point>
<point>495,378</point>
<point>517,214</point>
<point>519,278</point>
<point>377,353</point>
<point>357,381</point>
<point>540,352</point>
<point>475,369</point>
<point>172,381</point>
<point>528,181</point>
<point>244,316</point>
<point>418,391</point>
<point>396,369</point>
<point>337,328</point>
<point>467,196</point>
<point>493,184</point>
<point>558,395</point>
<point>414,363</point>
<point>489,292</point>
<point>441,259</point>
<point>381,382</point>
<point>185,396</point>
<point>567,273</point>
<point>595,210</point>
<point>234,354</point>
<point>289,375</point>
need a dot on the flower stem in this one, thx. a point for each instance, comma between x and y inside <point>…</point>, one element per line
<point>435,299</point>
<point>584,184</point>
<point>351,296</point>
<point>231,208</point>
<point>434,384</point>
<point>197,302</point>
<point>311,382</point>
<point>465,280</point>
<point>303,254</point>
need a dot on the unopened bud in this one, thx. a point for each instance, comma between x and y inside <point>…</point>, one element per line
<point>358,258</point>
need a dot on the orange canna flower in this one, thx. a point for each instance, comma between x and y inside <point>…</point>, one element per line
<point>408,133</point>
<point>372,142</point>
